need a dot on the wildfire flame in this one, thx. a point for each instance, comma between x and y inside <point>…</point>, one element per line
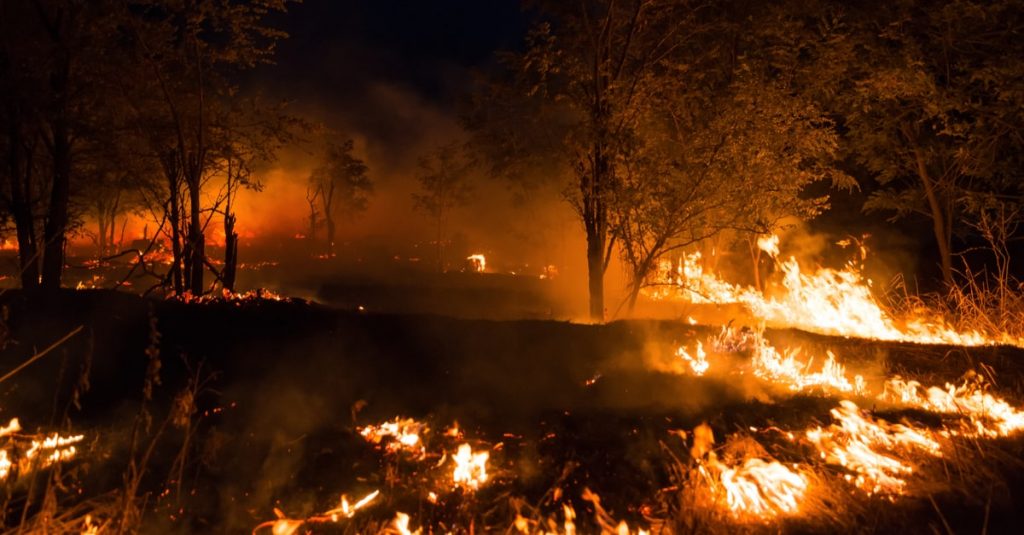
<point>771,365</point>
<point>470,468</point>
<point>756,489</point>
<point>52,449</point>
<point>869,448</point>
<point>402,434</point>
<point>478,262</point>
<point>401,524</point>
<point>699,363</point>
<point>824,300</point>
<point>988,415</point>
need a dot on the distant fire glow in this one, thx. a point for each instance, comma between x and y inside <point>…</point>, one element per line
<point>477,262</point>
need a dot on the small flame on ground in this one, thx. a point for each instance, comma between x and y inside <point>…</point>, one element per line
<point>288,526</point>
<point>787,369</point>
<point>757,489</point>
<point>402,434</point>
<point>698,362</point>
<point>470,468</point>
<point>401,524</point>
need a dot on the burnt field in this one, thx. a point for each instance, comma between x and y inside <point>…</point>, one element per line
<point>209,417</point>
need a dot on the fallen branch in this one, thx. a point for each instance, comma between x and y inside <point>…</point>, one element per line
<point>41,354</point>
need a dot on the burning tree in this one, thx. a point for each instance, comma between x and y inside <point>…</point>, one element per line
<point>341,185</point>
<point>443,188</point>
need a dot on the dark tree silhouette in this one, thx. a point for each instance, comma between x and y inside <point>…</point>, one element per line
<point>444,186</point>
<point>342,186</point>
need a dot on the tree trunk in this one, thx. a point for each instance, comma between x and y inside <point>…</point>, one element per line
<point>329,223</point>
<point>311,236</point>
<point>595,221</point>
<point>230,253</point>
<point>755,262</point>
<point>21,208</point>
<point>595,274</point>
<point>943,237</point>
<point>172,171</point>
<point>101,233</point>
<point>440,242</point>
<point>57,215</point>
<point>196,240</point>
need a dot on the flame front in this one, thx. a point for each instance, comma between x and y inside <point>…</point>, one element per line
<point>987,415</point>
<point>824,300</point>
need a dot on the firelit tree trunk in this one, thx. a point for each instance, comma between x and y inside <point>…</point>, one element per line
<point>196,240</point>
<point>172,171</point>
<point>595,221</point>
<point>230,253</point>
<point>595,273</point>
<point>101,231</point>
<point>227,276</point>
<point>940,216</point>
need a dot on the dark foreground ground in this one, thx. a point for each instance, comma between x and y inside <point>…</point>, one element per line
<point>274,390</point>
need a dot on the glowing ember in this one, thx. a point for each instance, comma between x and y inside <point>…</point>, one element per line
<point>401,524</point>
<point>699,363</point>
<point>5,465</point>
<point>346,510</point>
<point>227,296</point>
<point>570,517</point>
<point>53,449</point>
<point>12,427</point>
<point>470,468</point>
<point>402,434</point>
<point>857,442</point>
<point>453,431</point>
<point>478,262</point>
<point>287,526</point>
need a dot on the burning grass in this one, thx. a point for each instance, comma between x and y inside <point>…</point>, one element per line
<point>842,302</point>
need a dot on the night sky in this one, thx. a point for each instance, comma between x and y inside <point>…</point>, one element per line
<point>340,55</point>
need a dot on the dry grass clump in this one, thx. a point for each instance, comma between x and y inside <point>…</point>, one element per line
<point>988,304</point>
